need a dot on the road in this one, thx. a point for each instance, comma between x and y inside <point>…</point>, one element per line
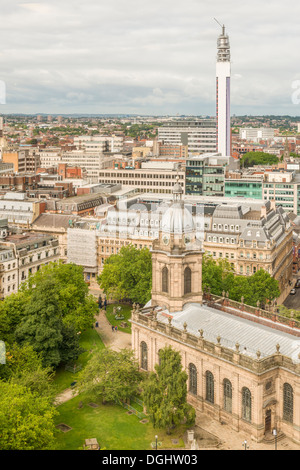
<point>293,301</point>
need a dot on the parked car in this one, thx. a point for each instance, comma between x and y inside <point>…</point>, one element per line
<point>293,292</point>
<point>297,283</point>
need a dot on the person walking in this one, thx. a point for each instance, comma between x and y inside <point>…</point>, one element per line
<point>113,328</point>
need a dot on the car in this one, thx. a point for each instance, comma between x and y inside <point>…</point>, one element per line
<point>293,292</point>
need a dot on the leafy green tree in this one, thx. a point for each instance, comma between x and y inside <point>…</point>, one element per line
<point>165,393</point>
<point>12,310</point>
<point>219,277</point>
<point>26,419</point>
<point>24,366</point>
<point>263,286</point>
<point>76,306</point>
<point>42,324</point>
<point>128,274</point>
<point>43,328</point>
<point>110,375</point>
<point>258,158</point>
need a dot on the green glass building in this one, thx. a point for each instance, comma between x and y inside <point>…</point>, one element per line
<point>244,188</point>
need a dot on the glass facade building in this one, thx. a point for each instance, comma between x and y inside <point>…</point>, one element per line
<point>203,178</point>
<point>240,188</point>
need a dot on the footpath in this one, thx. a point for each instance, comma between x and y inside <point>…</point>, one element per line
<point>114,339</point>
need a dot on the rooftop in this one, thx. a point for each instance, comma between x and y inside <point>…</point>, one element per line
<point>251,336</point>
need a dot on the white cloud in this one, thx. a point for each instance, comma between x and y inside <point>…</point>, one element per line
<point>154,57</point>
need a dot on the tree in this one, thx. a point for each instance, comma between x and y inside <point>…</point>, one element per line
<point>49,312</point>
<point>43,328</point>
<point>165,392</point>
<point>76,306</point>
<point>24,367</point>
<point>11,312</point>
<point>111,375</point>
<point>128,275</point>
<point>219,277</point>
<point>26,419</point>
<point>258,158</point>
<point>263,286</point>
<point>42,325</point>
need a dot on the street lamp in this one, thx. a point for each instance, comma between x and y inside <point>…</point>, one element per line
<point>156,437</point>
<point>275,434</point>
<point>245,445</point>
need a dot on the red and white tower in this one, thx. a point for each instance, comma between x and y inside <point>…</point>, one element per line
<point>223,95</point>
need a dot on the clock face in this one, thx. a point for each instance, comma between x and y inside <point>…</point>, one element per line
<point>187,239</point>
<point>166,240</point>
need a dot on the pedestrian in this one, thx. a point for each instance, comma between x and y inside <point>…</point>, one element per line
<point>116,328</point>
<point>113,328</point>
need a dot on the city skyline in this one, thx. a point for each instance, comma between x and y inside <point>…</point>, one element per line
<point>148,59</point>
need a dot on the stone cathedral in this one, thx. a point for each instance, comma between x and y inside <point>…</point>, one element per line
<point>243,363</point>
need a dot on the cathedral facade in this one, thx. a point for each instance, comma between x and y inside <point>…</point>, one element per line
<point>243,363</point>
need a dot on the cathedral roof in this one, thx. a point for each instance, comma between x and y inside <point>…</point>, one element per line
<point>251,336</point>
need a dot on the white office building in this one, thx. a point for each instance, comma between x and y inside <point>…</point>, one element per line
<point>198,135</point>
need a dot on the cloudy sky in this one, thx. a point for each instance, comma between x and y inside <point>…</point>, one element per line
<point>147,57</point>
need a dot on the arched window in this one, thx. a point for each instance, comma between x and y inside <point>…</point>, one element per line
<point>209,386</point>
<point>246,404</point>
<point>165,279</point>
<point>227,389</point>
<point>144,356</point>
<point>187,280</point>
<point>193,379</point>
<point>288,403</point>
<point>159,358</point>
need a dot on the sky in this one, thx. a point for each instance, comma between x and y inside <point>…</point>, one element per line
<point>155,57</point>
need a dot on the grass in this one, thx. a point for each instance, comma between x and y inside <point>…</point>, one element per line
<point>91,342</point>
<point>110,424</point>
<point>125,311</point>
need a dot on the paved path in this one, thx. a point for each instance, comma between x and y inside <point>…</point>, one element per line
<point>114,339</point>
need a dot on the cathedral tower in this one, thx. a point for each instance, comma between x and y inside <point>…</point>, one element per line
<point>176,258</point>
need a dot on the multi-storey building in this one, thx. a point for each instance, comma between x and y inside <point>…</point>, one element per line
<point>19,209</point>
<point>22,255</point>
<point>155,178</point>
<point>77,205</point>
<point>253,134</point>
<point>57,226</point>
<point>23,160</point>
<point>99,143</point>
<point>244,187</point>
<point>281,186</point>
<point>205,175</point>
<point>91,162</point>
<point>199,135</point>
<point>252,238</point>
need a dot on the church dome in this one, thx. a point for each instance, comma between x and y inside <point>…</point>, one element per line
<point>177,219</point>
